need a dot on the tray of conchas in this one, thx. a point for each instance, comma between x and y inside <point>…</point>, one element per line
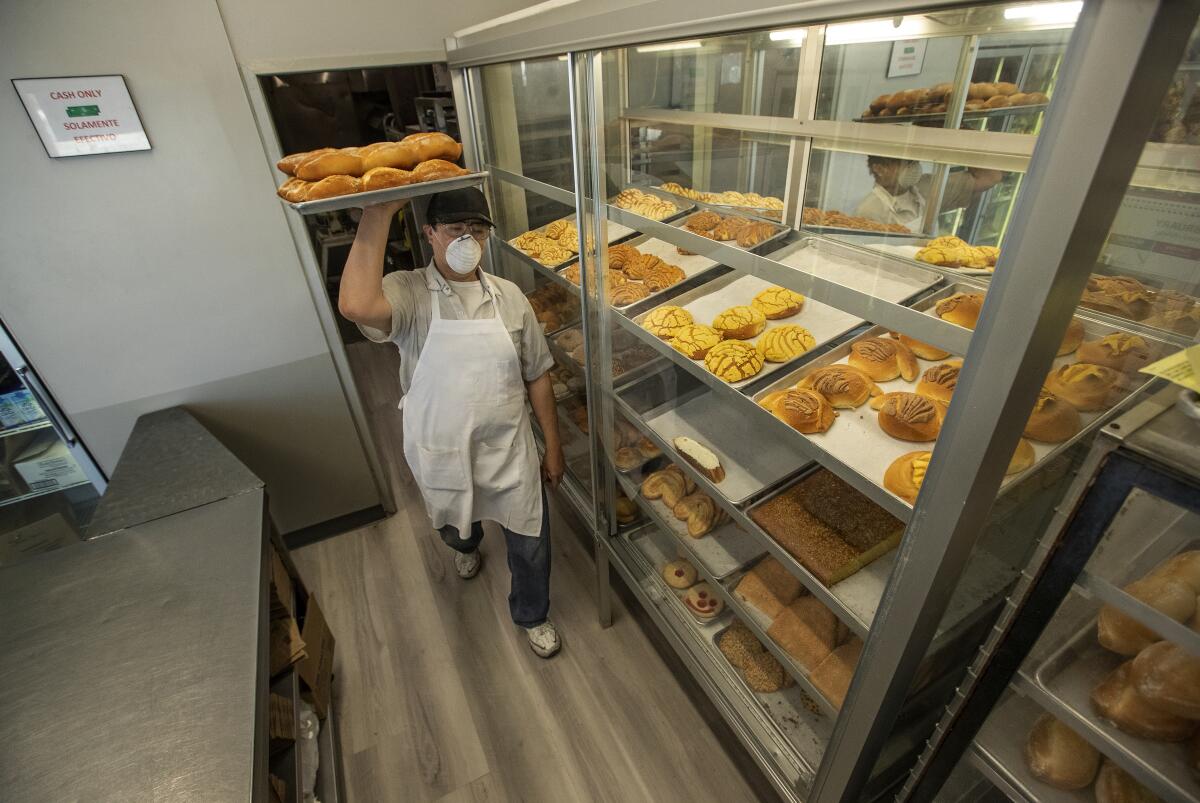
<point>329,179</point>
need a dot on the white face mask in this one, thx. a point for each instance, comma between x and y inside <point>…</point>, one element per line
<point>463,254</point>
<point>908,176</point>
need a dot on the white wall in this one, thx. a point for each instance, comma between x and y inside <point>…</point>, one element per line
<point>134,279</point>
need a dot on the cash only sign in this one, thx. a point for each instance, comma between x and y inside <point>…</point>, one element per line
<point>83,115</point>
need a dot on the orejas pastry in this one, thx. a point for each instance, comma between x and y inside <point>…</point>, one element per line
<point>1052,419</point>
<point>700,512</point>
<point>778,302</point>
<point>909,417</point>
<point>733,360</point>
<point>1083,385</point>
<point>883,359</point>
<point>740,323</point>
<point>667,485</point>
<point>694,340</point>
<point>961,308</point>
<point>843,385</point>
<point>1118,351</point>
<point>905,475</point>
<point>805,411</point>
<point>784,343</point>
<point>666,321</point>
<point>1059,756</point>
<point>938,383</point>
<point>679,574</point>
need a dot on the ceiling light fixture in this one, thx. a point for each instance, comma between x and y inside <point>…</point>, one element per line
<point>690,44</point>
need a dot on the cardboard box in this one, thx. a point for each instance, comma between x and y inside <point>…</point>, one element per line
<point>316,668</point>
<point>282,593</point>
<point>286,645</point>
<point>48,465</point>
<point>281,719</point>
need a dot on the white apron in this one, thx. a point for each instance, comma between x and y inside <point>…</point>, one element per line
<point>467,435</point>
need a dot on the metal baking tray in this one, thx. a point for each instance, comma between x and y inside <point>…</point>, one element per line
<point>836,231</point>
<point>704,417</point>
<point>766,246</point>
<point>856,599</point>
<point>792,710</point>
<point>856,440</point>
<point>759,623</point>
<point>999,753</point>
<point>887,277</point>
<point>692,265</point>
<point>616,232</point>
<point>357,200</point>
<point>659,548</point>
<point>1066,679</point>
<point>682,205</point>
<point>826,323</point>
<point>720,553</point>
<point>764,213</point>
<point>968,114</point>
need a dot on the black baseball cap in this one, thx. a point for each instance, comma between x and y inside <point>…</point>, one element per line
<point>454,206</point>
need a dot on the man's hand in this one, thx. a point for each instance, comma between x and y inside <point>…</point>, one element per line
<point>388,209</point>
<point>553,466</point>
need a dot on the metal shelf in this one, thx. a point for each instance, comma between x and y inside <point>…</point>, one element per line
<point>12,500</point>
<point>29,427</point>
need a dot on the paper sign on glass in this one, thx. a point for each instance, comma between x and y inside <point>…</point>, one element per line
<point>83,115</point>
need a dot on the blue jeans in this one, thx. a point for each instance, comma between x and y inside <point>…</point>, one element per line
<point>528,563</point>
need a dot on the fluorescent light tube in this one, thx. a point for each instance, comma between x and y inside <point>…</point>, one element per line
<point>690,44</point>
<point>1045,13</point>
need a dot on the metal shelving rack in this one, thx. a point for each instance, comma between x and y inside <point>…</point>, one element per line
<point>1092,128</point>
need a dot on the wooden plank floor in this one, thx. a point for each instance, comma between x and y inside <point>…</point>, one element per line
<point>441,699</point>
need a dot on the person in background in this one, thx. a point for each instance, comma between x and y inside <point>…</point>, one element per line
<point>471,353</point>
<point>901,190</point>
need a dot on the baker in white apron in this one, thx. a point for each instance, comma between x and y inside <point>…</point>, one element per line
<point>901,191</point>
<point>472,355</point>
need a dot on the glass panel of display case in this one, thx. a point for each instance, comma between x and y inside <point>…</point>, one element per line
<point>745,73</point>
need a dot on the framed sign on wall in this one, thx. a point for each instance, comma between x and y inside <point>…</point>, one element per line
<point>82,115</point>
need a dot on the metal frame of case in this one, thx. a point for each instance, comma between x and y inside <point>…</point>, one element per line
<point>1115,70</point>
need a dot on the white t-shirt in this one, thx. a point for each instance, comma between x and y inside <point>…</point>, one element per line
<point>474,300</point>
<point>908,208</point>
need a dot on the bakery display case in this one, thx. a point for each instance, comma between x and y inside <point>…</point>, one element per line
<point>810,440</point>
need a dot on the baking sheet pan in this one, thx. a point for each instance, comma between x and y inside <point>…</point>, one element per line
<point>682,205</point>
<point>893,279</point>
<point>358,200</point>
<point>707,419</point>
<point>856,439</point>
<point>723,551</point>
<point>1070,674</point>
<point>692,265</point>
<point>826,323</point>
<point>615,231</point>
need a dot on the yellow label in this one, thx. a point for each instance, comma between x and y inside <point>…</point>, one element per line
<point>1182,368</point>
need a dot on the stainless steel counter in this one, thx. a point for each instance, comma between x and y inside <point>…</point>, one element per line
<point>132,666</point>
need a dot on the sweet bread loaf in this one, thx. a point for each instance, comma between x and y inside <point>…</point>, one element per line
<point>909,417</point>
<point>778,302</point>
<point>785,343</point>
<point>324,165</point>
<point>817,546</point>
<point>861,523</point>
<point>1083,385</point>
<point>1059,756</point>
<point>843,385</point>
<point>883,359</point>
<point>740,322</point>
<point>769,587</point>
<point>1118,351</point>
<point>833,674</point>
<point>805,411</point>
<point>961,308</point>
<point>1115,785</point>
<point>694,341</point>
<point>807,631</point>
<point>679,574</point>
<point>434,169</point>
<point>1167,594</point>
<point>289,163</point>
<point>1022,458</point>
<point>666,321</point>
<point>922,350</point>
<point>1117,700</point>
<point>938,383</point>
<point>733,360</point>
<point>1072,338</point>
<point>701,457</point>
<point>905,475</point>
<point>382,178</point>
<point>1168,678</point>
<point>1052,419</point>
<point>331,187</point>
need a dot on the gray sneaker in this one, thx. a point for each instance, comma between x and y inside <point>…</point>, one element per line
<point>544,639</point>
<point>467,564</point>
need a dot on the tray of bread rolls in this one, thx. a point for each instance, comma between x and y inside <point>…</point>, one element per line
<point>716,543</point>
<point>556,244</point>
<point>329,179</point>
<point>876,403</point>
<point>1134,707</point>
<point>650,205</point>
